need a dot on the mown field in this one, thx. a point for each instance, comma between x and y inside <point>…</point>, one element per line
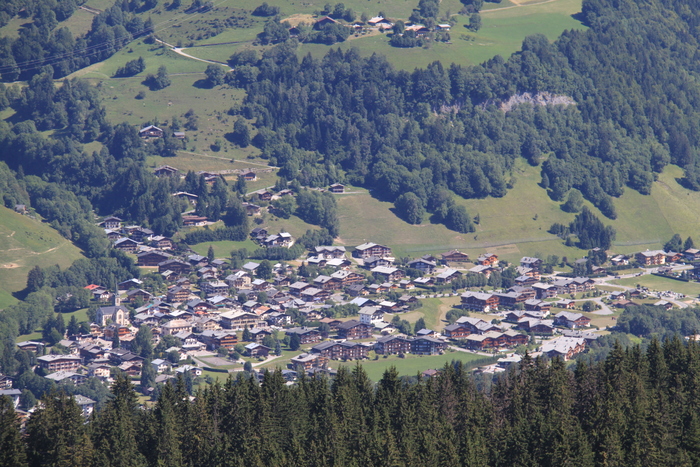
<point>25,243</point>
<point>661,284</point>
<point>411,365</point>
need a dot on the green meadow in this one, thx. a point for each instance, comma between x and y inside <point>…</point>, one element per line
<point>25,243</point>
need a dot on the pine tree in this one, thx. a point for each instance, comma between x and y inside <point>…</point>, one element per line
<point>73,327</point>
<point>56,433</point>
<point>688,244</point>
<point>247,336</point>
<point>11,445</point>
<point>420,324</point>
<point>114,433</point>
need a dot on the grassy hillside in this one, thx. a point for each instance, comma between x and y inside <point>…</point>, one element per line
<point>25,243</point>
<point>517,224</point>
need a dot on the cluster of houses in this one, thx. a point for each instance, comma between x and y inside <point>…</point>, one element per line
<point>208,304</point>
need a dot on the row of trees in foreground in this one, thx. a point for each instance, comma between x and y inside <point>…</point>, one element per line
<point>637,407</point>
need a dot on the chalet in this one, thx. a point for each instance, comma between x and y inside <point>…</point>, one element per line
<point>176,326</point>
<point>424,266</point>
<point>443,27</point>
<point>257,350</point>
<point>193,370</point>
<point>354,329</point>
<point>53,363</point>
<point>330,251</point>
<point>192,199</point>
<point>189,221</point>
<point>543,291</point>
<point>264,195</point>
<point>388,274</point>
<point>252,209</point>
<point>112,235</point>
<point>424,281</point>
<point>99,370</point>
<point>20,208</point>
<point>249,176</point>
<point>178,294</point>
<point>260,285</point>
<point>517,315</point>
<point>160,365</point>
<point>480,269</point>
<point>418,29</point>
<point>112,223</point>
<point>425,345</point>
<point>215,339</point>
<point>221,301</point>
<point>479,301</point>
<point>134,295</point>
<point>298,287</point>
<point>129,284</point>
<point>283,239</point>
<point>178,134</point>
<point>65,376</point>
<point>477,325</point>
<point>215,288</point>
<point>566,304</point>
<point>455,256</point>
<point>380,21</point>
<point>488,259</point>
<point>141,234</point>
<point>563,347</point>
<point>30,346</point>
<point>407,284</point>
<point>321,22</point>
<point>369,314</point>
<point>375,261</point>
<point>331,322</point>
<point>202,324</point>
<point>306,335</point>
<point>692,254</point>
<point>308,361</point>
<point>649,258</point>
<point>312,294</point>
<point>371,249</point>
<point>508,299</point>
<point>176,266</point>
<point>239,280</point>
<point>664,304</point>
<point>393,345</point>
<point>258,334</point>
<point>529,262</point>
<point>526,293</point>
<point>525,281</point>
<point>238,319</point>
<point>536,326</point>
<point>534,304</point>
<point>341,350</point>
<point>586,335</point>
<point>619,260</point>
<point>337,188</point>
<point>126,245</point>
<point>357,290</point>
<point>447,276</point>
<point>457,331</point>
<point>199,306</point>
<point>151,131</point>
<point>327,282</point>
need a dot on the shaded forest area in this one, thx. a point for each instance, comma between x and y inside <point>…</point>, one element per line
<point>634,408</point>
<point>632,75</point>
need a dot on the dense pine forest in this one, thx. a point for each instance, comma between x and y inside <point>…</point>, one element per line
<point>635,408</point>
<point>632,77</point>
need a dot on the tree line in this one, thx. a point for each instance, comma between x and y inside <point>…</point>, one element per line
<point>402,132</point>
<point>635,407</point>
